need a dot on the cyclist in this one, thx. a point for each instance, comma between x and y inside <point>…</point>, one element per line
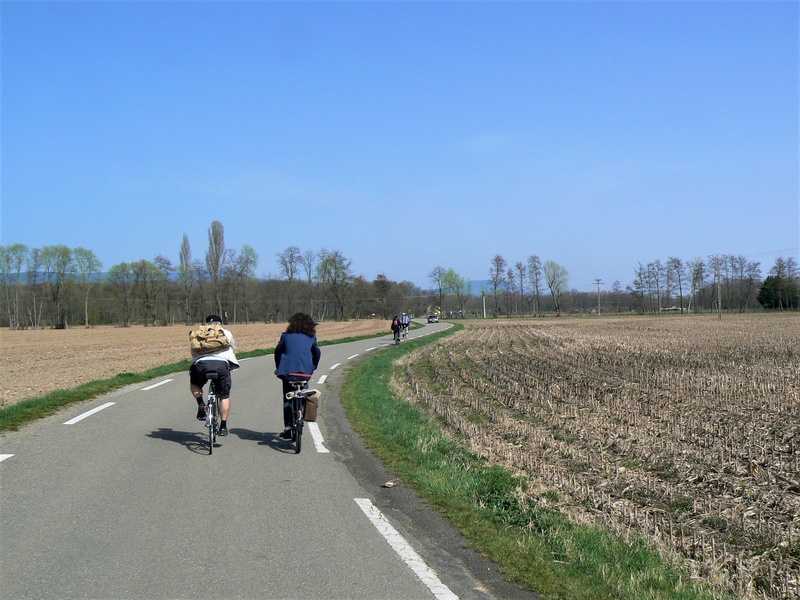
<point>297,353</point>
<point>405,321</point>
<point>222,362</point>
<point>396,326</point>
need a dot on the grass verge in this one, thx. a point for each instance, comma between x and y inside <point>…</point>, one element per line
<point>536,547</point>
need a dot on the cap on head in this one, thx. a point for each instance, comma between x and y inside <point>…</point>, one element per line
<point>214,319</point>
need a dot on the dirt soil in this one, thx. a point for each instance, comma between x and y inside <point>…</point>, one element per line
<point>49,359</point>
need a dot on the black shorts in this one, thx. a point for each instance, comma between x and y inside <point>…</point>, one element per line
<point>198,375</point>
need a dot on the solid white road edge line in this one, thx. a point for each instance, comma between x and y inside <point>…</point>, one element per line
<point>316,434</point>
<point>405,551</point>
<point>155,385</point>
<point>88,413</point>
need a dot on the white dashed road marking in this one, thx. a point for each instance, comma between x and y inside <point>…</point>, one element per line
<point>405,551</point>
<point>88,413</point>
<point>316,434</point>
<point>155,385</point>
<point>5,456</point>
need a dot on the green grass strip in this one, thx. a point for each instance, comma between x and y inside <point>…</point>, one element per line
<point>536,547</point>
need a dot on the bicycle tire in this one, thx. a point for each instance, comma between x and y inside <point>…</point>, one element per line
<point>297,417</point>
<point>210,432</point>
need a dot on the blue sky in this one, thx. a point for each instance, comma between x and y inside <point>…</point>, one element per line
<point>406,135</point>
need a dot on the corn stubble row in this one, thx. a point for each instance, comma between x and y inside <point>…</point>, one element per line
<point>686,430</point>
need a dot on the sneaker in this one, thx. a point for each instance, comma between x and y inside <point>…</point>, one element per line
<point>201,413</point>
<point>286,434</point>
<point>223,431</point>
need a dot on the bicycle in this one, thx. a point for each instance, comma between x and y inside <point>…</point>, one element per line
<point>212,411</point>
<point>297,400</point>
<point>397,337</point>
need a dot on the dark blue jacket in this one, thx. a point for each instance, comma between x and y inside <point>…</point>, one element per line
<point>296,353</point>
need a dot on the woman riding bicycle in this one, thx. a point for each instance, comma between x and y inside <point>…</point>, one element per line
<point>296,357</point>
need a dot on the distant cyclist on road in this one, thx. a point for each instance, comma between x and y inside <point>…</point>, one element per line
<point>297,353</point>
<point>405,321</point>
<point>223,362</point>
<point>396,326</point>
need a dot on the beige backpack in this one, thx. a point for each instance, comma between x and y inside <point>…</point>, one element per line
<point>208,338</point>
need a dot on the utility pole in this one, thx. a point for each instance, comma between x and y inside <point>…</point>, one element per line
<point>598,282</point>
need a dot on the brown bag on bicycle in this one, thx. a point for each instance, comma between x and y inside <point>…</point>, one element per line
<point>312,404</point>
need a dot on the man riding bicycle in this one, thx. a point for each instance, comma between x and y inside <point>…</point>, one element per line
<point>296,357</point>
<point>405,321</point>
<point>222,361</point>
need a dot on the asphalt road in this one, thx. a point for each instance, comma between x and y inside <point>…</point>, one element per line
<point>125,502</point>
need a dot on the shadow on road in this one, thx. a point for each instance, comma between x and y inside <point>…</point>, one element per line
<point>193,441</point>
<point>265,439</point>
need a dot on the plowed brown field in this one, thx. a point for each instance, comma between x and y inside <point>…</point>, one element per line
<point>48,359</point>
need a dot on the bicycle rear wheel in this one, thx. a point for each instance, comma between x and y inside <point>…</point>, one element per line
<point>297,409</point>
<point>298,439</point>
<point>210,433</point>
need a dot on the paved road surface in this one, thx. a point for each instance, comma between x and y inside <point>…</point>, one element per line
<point>125,502</point>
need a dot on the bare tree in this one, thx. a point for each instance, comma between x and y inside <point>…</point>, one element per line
<point>12,258</point>
<point>557,278</point>
<point>521,270</point>
<point>336,278</point>
<point>535,279</point>
<point>382,287</point>
<point>289,262</point>
<point>121,279</point>
<point>59,265</point>
<point>147,286</point>
<point>497,276</point>
<point>88,268</point>
<point>34,265</point>
<point>308,261</point>
<point>616,291</point>
<point>697,271</point>
<point>676,271</point>
<point>165,268</point>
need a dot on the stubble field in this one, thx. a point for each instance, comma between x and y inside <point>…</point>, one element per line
<point>685,430</point>
<point>41,361</point>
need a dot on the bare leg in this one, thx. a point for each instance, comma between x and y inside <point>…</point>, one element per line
<point>224,408</point>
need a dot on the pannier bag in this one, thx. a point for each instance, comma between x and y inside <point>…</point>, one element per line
<point>312,404</point>
<point>208,338</point>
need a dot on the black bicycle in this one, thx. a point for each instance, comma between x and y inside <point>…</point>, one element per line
<point>297,402</point>
<point>212,411</point>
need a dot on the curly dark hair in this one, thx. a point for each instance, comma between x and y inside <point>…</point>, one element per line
<point>302,323</point>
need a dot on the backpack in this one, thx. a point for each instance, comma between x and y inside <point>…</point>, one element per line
<point>208,338</point>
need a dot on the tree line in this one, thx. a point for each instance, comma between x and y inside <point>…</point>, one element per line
<point>718,283</point>
<point>58,287</point>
